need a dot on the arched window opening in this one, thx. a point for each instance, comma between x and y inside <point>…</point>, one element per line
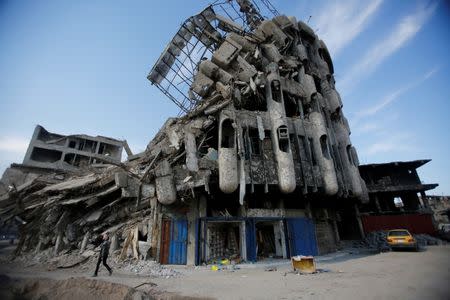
<point>349,155</point>
<point>291,106</point>
<point>324,146</point>
<point>228,134</point>
<point>276,91</point>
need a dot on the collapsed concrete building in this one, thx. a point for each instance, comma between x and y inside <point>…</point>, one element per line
<point>259,164</point>
<point>397,198</point>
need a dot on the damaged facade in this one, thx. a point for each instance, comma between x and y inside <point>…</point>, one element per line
<point>259,165</point>
<point>397,198</point>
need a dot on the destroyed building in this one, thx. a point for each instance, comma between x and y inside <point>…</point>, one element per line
<point>397,197</point>
<point>258,164</point>
<point>54,151</point>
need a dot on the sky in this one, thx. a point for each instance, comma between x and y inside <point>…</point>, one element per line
<point>81,66</point>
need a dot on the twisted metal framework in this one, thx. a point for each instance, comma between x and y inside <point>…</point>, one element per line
<point>198,37</point>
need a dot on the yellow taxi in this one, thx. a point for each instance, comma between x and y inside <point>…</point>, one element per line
<point>401,238</point>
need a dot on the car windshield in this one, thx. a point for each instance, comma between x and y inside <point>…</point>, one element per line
<point>398,233</point>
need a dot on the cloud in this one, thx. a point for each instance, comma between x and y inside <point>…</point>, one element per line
<point>342,21</point>
<point>402,33</point>
<point>14,144</point>
<point>394,143</point>
<point>394,95</point>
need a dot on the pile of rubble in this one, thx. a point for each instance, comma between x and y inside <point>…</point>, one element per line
<point>426,239</point>
<point>374,240</point>
<point>378,240</point>
<point>148,268</point>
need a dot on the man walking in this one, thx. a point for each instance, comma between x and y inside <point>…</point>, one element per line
<point>104,251</point>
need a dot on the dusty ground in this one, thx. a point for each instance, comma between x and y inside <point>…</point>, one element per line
<point>391,275</point>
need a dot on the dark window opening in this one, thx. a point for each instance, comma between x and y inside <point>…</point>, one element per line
<point>255,142</point>
<point>81,145</point>
<point>265,238</point>
<point>228,134</point>
<point>101,149</point>
<point>81,161</point>
<point>320,53</point>
<point>305,64</point>
<point>324,146</point>
<point>291,105</point>
<point>72,144</point>
<point>317,84</point>
<point>349,154</point>
<point>69,158</point>
<point>90,146</point>
<point>207,145</point>
<point>306,107</point>
<point>45,155</point>
<point>143,237</point>
<point>312,155</point>
<point>276,91</point>
<point>283,138</point>
<point>254,103</point>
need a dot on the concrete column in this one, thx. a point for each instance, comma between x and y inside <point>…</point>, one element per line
<point>192,217</point>
<point>358,218</point>
<point>423,200</point>
<point>336,232</point>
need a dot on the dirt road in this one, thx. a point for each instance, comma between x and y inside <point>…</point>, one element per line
<point>391,275</point>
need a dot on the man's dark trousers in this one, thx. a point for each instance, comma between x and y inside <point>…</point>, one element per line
<point>100,258</point>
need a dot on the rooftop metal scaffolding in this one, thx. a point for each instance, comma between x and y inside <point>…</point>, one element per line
<point>198,36</point>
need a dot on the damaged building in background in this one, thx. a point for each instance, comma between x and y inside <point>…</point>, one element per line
<point>397,198</point>
<point>258,163</point>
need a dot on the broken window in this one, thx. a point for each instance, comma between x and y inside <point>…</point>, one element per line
<point>69,158</point>
<point>276,91</point>
<point>283,138</point>
<point>45,155</point>
<point>254,103</point>
<point>81,145</point>
<point>81,161</point>
<point>90,146</point>
<point>312,155</point>
<point>228,134</point>
<point>291,105</point>
<point>324,146</point>
<point>101,149</point>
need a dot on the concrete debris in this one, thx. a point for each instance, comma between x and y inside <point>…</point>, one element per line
<point>149,268</point>
<point>426,239</point>
<point>374,240</point>
<point>378,240</point>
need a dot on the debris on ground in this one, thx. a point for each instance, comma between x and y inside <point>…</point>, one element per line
<point>378,240</point>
